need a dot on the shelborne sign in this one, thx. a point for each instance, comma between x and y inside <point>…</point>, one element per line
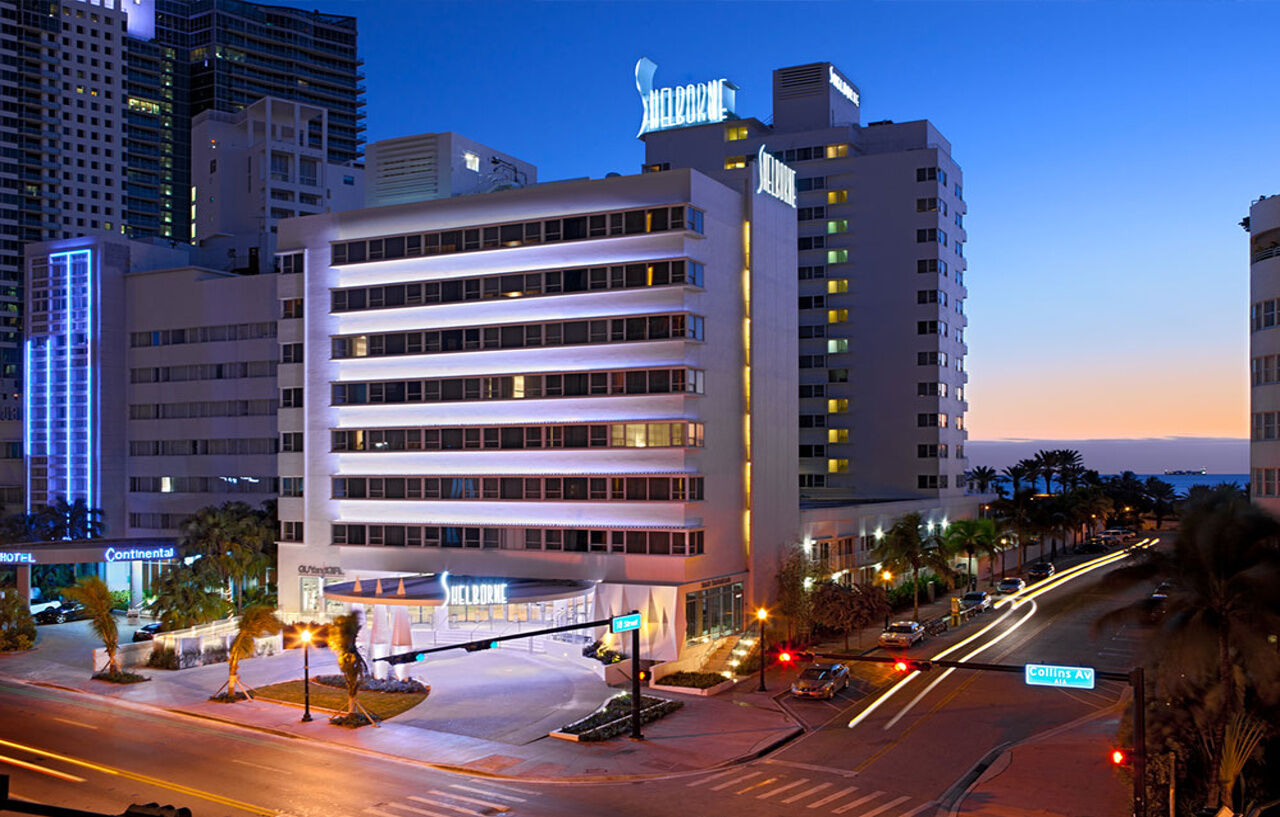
<point>697,103</point>
<point>775,178</point>
<point>463,594</point>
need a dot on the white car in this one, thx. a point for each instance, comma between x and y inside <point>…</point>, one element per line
<point>902,634</point>
<point>979,600</point>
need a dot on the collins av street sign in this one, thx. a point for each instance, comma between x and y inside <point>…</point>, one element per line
<point>1048,675</point>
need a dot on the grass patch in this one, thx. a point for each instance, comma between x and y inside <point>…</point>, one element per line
<point>382,705</point>
<point>614,718</point>
<point>696,680</point>
<point>121,677</point>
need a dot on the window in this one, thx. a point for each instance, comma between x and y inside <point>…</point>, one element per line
<point>291,441</point>
<point>656,168</point>
<point>811,451</point>
<point>813,481</point>
<point>838,376</point>
<point>291,308</point>
<point>837,256</point>
<point>840,225</point>
<point>811,183</point>
<point>928,174</point>
<point>931,451</point>
<point>837,406</point>
<point>931,328</point>
<point>931,205</point>
<point>931,420</point>
<point>472,161</point>
<point>837,435</point>
<point>812,242</point>
<point>931,359</point>
<point>837,466</point>
<point>291,353</point>
<point>810,272</point>
<point>735,133</point>
<point>810,213</point>
<point>813,420</point>
<point>291,486</point>
<point>837,346</point>
<point>812,301</point>
<point>837,315</point>
<point>291,531</point>
<point>813,361</point>
<point>931,389</point>
<point>713,612</point>
<point>837,151</point>
<point>813,390</point>
<point>931,296</point>
<point>291,398</point>
<point>930,235</point>
<point>290,263</point>
<point>735,162</point>
<point>837,196</point>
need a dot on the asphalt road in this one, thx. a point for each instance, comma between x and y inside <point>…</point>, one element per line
<point>68,749</point>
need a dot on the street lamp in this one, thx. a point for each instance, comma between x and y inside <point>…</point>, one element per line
<point>888,579</point>
<point>305,635</point>
<point>762,615</point>
<point>1004,543</point>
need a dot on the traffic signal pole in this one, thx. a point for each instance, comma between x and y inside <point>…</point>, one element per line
<point>636,734</point>
<point>1136,678</point>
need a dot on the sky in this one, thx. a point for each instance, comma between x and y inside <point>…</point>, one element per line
<point>1109,152</point>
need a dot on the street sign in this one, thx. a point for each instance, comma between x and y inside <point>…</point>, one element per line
<point>623,624</point>
<point>1048,675</point>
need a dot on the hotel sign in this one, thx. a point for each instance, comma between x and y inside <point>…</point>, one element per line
<point>12,558</point>
<point>842,85</point>
<point>698,103</point>
<point>139,554</point>
<point>775,178</point>
<point>472,593</point>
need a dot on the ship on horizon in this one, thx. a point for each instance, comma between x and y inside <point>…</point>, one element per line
<point>1185,473</point>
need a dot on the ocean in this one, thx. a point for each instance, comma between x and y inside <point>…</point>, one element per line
<point>1181,482</point>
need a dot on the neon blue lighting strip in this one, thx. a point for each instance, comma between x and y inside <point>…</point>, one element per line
<point>70,266</point>
<point>26,415</point>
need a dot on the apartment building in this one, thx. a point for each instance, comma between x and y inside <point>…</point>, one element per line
<point>574,398</point>
<point>1263,226</point>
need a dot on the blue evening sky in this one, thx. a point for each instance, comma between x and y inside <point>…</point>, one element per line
<point>1109,150</point>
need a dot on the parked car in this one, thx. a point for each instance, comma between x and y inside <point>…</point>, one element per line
<point>1007,586</point>
<point>1040,571</point>
<point>39,604</point>
<point>821,681</point>
<point>1094,544</point>
<point>65,611</point>
<point>977,599</point>
<point>902,634</point>
<point>147,632</point>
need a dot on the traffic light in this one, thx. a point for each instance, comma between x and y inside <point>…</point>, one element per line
<point>155,810</point>
<point>644,676</point>
<point>912,665</point>
<point>784,657</point>
<point>1120,757</point>
<point>475,646</point>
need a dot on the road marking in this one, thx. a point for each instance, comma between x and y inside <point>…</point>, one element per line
<point>920,808</point>
<point>253,765</point>
<point>498,793</point>
<point>886,806</point>
<point>831,797</point>
<point>22,764</point>
<point>449,806</point>
<point>735,782</point>
<point>411,808</point>
<point>378,813</point>
<point>712,777</point>
<point>812,767</point>
<point>764,782</point>
<point>856,803</point>
<point>465,799</point>
<point>769,794</point>
<point>73,723</point>
<point>805,794</point>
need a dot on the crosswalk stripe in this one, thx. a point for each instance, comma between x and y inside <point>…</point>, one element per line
<point>886,806</point>
<point>465,799</point>
<point>416,810</point>
<point>920,808</point>
<point>764,782</point>
<point>856,803</point>
<point>831,797</point>
<point>806,793</point>
<point>702,780</point>
<point>449,806</point>
<point>735,782</point>
<point>769,794</point>
<point>488,793</point>
<point>376,813</point>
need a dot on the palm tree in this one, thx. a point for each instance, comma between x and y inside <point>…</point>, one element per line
<point>257,621</point>
<point>1046,461</point>
<point>974,536</point>
<point>343,633</point>
<point>184,598</point>
<point>1016,473</point>
<point>1070,467</point>
<point>982,476</point>
<point>903,548</point>
<point>1224,598</point>
<point>94,596</point>
<point>233,541</point>
<point>1162,496</point>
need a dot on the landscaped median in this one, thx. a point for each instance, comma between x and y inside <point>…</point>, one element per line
<point>693,683</point>
<point>383,699</point>
<point>614,718</point>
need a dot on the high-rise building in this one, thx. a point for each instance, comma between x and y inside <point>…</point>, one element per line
<point>436,166</point>
<point>881,271</point>
<point>575,399</point>
<point>1263,225</point>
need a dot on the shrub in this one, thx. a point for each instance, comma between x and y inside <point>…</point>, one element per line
<point>900,596</point>
<point>120,599</point>
<point>696,680</point>
<point>353,720</point>
<point>614,717</point>
<point>17,627</point>
<point>216,654</point>
<point>163,657</point>
<point>601,653</point>
<point>371,684</point>
<point>225,698</point>
<point>121,677</point>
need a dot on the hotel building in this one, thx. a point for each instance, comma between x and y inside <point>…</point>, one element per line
<point>582,393</point>
<point>880,263</point>
<point>436,166</point>
<point>1263,226</point>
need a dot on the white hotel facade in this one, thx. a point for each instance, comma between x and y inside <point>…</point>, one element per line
<point>585,391</point>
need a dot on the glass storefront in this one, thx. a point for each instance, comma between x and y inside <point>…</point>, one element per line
<point>713,612</point>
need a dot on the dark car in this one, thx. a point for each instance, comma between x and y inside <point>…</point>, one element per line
<point>65,611</point>
<point>1040,571</point>
<point>147,632</point>
<point>1091,545</point>
<point>978,600</point>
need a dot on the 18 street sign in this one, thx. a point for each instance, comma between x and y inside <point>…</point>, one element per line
<point>622,624</point>
<point>1048,675</point>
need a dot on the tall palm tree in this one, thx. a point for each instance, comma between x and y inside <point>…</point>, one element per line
<point>233,541</point>
<point>94,596</point>
<point>974,536</point>
<point>1016,473</point>
<point>1162,496</point>
<point>257,621</point>
<point>1046,463</point>
<point>343,633</point>
<point>982,476</point>
<point>184,598</point>
<point>1223,601</point>
<point>903,548</point>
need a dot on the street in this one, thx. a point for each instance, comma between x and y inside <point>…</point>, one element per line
<point>902,757</point>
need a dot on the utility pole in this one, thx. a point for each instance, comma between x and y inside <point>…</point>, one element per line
<point>636,734</point>
<point>1137,680</point>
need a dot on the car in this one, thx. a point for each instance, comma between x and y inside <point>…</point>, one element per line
<point>902,634</point>
<point>65,611</point>
<point>1161,593</point>
<point>821,681</point>
<point>146,632</point>
<point>979,600</point>
<point>1040,571</point>
<point>1007,586</point>
<point>1093,544</point>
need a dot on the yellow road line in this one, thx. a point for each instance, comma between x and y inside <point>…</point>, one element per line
<point>22,764</point>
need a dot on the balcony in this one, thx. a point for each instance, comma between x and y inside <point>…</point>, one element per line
<point>1262,255</point>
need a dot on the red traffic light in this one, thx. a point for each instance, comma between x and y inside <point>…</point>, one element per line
<point>901,666</point>
<point>1119,757</point>
<point>784,657</point>
<point>644,676</point>
<point>912,665</point>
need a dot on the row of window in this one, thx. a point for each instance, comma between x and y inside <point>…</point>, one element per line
<point>211,408</point>
<point>576,540</point>
<point>203,371</point>
<point>931,328</point>
<point>189,448</point>
<point>521,386</point>
<point>927,482</point>
<point>664,434</point>
<point>656,542</point>
<point>203,334</point>
<point>571,489</point>
<point>806,154</point>
<point>1265,425</point>
<point>1265,369</point>
<point>1263,313</point>
<point>1266,481</point>
<point>516,336</point>
<point>516,234</point>
<point>938,420</point>
<point>157,521</point>
<point>550,282</point>
<point>204,485</point>
<point>931,451</point>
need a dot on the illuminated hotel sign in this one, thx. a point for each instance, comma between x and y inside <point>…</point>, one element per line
<point>698,103</point>
<point>775,178</point>
<point>10,558</point>
<point>842,85</point>
<point>473,593</point>
<point>138,554</point>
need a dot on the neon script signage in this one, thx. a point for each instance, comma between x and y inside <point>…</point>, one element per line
<point>10,558</point>
<point>775,178</point>
<point>463,595</point>
<point>698,103</point>
<point>842,85</point>
<point>136,554</point>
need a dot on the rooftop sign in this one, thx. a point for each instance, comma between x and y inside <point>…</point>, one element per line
<point>842,85</point>
<point>775,178</point>
<point>698,103</point>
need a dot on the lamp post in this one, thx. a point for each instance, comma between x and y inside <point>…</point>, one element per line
<point>305,635</point>
<point>1004,542</point>
<point>762,615</point>
<point>888,579</point>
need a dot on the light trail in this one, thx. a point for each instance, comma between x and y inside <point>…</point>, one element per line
<point>1014,601</point>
